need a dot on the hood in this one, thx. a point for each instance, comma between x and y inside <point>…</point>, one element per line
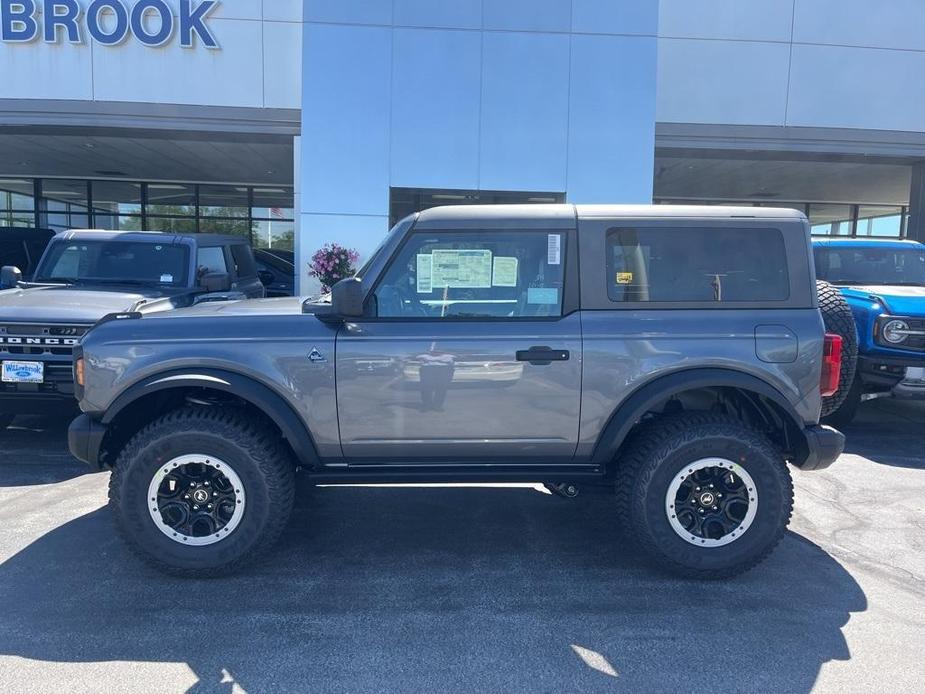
<point>898,300</point>
<point>70,304</point>
<point>285,305</point>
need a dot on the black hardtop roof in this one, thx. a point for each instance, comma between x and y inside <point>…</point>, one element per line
<point>26,233</point>
<point>439,216</point>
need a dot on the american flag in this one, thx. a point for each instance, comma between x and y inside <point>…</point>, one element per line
<point>276,212</point>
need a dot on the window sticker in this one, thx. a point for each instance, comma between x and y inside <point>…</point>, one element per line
<point>424,274</point>
<point>553,249</point>
<point>547,296</point>
<point>504,272</point>
<point>624,278</point>
<point>166,279</point>
<point>462,269</point>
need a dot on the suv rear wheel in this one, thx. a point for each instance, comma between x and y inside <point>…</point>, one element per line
<point>202,491</point>
<point>703,495</point>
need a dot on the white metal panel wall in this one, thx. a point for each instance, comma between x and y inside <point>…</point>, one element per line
<point>811,63</point>
<point>257,65</point>
<point>528,95</point>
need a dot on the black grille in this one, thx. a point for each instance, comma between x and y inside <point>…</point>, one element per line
<point>915,341</point>
<point>34,339</point>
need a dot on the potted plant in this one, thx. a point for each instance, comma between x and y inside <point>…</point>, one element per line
<point>332,263</point>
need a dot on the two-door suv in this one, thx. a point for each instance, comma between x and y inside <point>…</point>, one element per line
<point>675,353</point>
<point>84,276</point>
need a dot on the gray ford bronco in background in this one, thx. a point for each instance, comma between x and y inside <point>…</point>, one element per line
<point>86,275</point>
<point>676,354</point>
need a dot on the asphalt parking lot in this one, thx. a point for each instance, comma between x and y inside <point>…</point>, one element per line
<point>468,589</point>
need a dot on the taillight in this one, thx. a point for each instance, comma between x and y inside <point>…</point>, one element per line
<point>831,365</point>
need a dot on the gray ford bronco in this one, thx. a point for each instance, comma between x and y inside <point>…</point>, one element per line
<point>676,354</point>
<point>84,276</point>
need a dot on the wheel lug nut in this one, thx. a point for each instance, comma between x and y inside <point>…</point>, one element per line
<point>711,486</point>
<point>207,484</point>
<point>701,510</point>
<point>186,496</point>
<point>209,507</point>
<point>195,508</point>
<point>714,508</point>
<point>697,489</point>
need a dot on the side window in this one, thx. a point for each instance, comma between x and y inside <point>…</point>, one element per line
<point>211,259</point>
<point>661,264</point>
<point>243,261</point>
<point>493,274</point>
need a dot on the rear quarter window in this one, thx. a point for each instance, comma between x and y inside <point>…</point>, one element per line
<point>212,259</point>
<point>702,265</point>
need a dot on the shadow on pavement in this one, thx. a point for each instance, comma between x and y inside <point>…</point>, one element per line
<point>384,589</point>
<point>34,451</point>
<point>889,432</point>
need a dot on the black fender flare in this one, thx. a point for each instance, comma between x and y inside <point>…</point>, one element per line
<point>644,398</point>
<point>256,393</point>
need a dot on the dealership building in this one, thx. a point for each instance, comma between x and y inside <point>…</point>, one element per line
<point>298,122</point>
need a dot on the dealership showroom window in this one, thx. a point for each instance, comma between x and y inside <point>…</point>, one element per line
<point>310,128</point>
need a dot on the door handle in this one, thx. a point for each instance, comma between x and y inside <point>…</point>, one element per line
<point>542,356</point>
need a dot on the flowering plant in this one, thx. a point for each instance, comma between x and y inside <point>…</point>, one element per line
<point>332,263</point>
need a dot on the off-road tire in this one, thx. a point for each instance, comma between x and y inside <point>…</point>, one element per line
<point>838,319</point>
<point>659,452</point>
<point>6,420</point>
<point>250,447</point>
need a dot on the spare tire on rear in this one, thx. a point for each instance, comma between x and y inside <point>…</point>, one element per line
<point>838,320</point>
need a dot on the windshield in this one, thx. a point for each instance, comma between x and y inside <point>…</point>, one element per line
<point>400,227</point>
<point>865,266</point>
<point>115,262</point>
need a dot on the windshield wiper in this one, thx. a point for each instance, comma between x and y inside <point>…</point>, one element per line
<point>131,283</point>
<point>56,280</point>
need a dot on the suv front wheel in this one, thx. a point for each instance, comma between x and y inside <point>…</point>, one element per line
<point>202,491</point>
<point>703,495</point>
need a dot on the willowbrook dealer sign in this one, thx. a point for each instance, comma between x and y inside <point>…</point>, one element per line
<point>108,22</point>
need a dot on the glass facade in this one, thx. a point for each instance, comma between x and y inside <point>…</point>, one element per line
<point>264,214</point>
<point>405,201</point>
<point>17,202</point>
<point>831,219</point>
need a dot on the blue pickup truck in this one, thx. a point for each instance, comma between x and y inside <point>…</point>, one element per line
<point>883,281</point>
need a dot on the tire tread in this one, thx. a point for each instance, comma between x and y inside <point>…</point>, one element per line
<point>636,468</point>
<point>262,444</point>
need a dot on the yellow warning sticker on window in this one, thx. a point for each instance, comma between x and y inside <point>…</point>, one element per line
<point>624,278</point>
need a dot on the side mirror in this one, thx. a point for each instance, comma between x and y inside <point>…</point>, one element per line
<point>347,298</point>
<point>215,282</point>
<point>10,277</point>
<point>266,277</point>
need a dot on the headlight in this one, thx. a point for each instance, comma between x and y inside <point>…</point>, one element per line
<point>895,331</point>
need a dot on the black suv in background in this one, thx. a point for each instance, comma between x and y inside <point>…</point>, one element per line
<point>23,247</point>
<point>276,269</point>
<point>85,276</point>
